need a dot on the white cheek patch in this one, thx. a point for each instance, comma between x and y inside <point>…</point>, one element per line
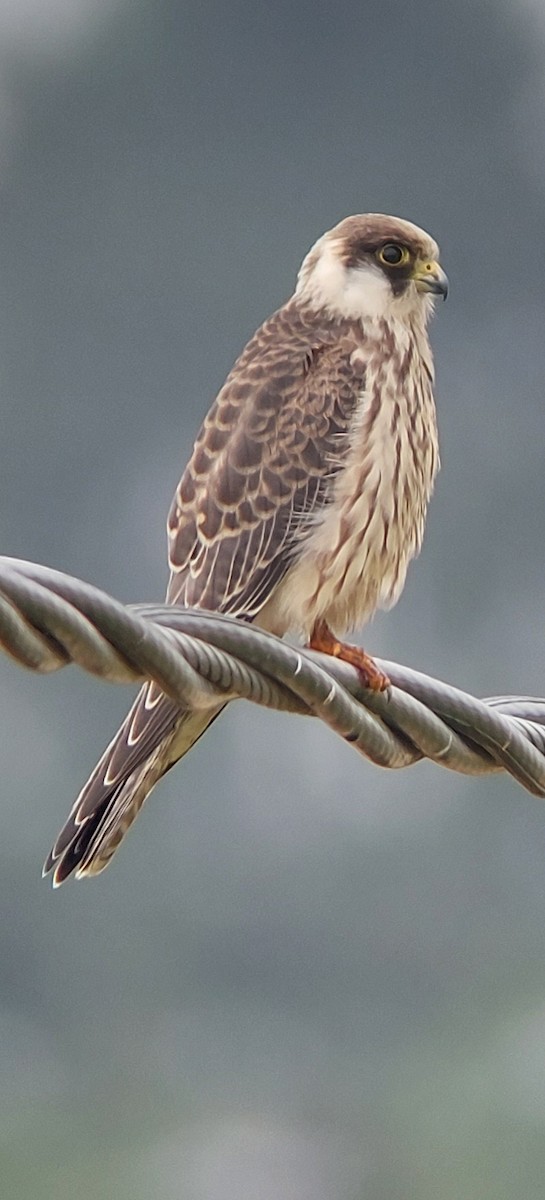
<point>352,292</point>
<point>367,292</point>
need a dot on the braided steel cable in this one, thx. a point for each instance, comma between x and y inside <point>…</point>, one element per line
<point>49,619</point>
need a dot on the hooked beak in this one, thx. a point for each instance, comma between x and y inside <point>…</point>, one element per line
<point>429,276</point>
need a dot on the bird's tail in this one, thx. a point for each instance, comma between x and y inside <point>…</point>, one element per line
<point>140,753</point>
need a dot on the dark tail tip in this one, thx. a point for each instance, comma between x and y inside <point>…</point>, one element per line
<point>72,845</point>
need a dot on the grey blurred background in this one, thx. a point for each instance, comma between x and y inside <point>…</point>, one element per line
<point>302,978</point>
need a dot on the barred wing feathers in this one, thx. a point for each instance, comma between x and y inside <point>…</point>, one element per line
<point>263,461</point>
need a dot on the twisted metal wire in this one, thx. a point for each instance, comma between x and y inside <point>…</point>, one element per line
<point>49,619</point>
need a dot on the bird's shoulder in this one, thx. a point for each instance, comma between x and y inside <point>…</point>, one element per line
<point>272,434</point>
<point>298,364</point>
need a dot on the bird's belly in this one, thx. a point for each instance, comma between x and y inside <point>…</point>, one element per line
<point>344,584</point>
<point>355,559</point>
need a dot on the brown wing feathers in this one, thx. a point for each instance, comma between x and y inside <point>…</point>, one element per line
<point>262,462</point>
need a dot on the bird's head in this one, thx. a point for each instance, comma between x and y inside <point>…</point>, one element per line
<point>373,266</point>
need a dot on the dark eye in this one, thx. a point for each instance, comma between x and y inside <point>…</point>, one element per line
<point>393,255</point>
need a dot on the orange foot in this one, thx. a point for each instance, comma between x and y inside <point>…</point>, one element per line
<point>324,640</point>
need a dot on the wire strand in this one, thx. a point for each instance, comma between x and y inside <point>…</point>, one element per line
<point>49,619</point>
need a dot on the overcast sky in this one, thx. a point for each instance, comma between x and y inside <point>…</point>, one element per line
<point>302,976</point>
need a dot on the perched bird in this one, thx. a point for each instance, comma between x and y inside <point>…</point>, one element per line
<point>305,497</point>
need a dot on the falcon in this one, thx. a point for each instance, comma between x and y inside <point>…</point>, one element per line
<point>305,496</point>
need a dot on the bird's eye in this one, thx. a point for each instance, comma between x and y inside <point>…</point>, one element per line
<point>393,255</point>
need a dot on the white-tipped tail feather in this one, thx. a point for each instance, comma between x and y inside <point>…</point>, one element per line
<point>111,799</point>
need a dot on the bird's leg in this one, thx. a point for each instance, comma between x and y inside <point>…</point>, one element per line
<point>324,640</point>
